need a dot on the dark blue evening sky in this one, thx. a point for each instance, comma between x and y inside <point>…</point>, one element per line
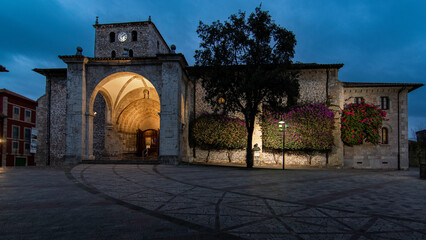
<point>378,41</point>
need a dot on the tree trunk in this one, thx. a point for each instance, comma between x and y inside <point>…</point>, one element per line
<point>249,152</point>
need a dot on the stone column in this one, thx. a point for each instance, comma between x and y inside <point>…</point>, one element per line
<point>336,98</point>
<point>89,136</point>
<point>76,109</point>
<point>403,127</point>
<point>170,121</point>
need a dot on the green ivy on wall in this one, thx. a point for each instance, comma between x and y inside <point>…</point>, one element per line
<point>361,122</point>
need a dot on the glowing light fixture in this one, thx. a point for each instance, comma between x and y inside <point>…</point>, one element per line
<point>221,100</point>
<point>282,126</point>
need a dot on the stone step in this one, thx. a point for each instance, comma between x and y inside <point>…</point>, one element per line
<point>127,161</point>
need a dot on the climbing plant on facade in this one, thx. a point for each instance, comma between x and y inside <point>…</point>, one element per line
<point>218,132</point>
<point>361,122</point>
<point>309,128</point>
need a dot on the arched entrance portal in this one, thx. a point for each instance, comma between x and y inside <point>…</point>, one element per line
<point>147,143</point>
<point>126,109</point>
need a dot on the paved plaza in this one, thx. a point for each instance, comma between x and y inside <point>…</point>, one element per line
<point>92,201</point>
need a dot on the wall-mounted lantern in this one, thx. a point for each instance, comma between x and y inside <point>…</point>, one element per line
<point>221,100</point>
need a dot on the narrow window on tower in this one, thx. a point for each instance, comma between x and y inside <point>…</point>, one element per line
<point>385,136</point>
<point>384,103</point>
<point>130,53</point>
<point>112,36</point>
<point>134,36</point>
<point>113,54</point>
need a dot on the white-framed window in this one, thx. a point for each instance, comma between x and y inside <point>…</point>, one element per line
<point>16,112</point>
<point>358,100</point>
<point>27,148</point>
<point>15,132</point>
<point>15,146</point>
<point>27,115</point>
<point>27,134</point>
<point>384,103</point>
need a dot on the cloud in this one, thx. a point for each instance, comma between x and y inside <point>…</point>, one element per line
<point>22,80</point>
<point>86,9</point>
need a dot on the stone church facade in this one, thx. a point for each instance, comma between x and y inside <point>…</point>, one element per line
<point>134,100</point>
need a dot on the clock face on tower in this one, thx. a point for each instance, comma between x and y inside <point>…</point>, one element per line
<point>122,37</point>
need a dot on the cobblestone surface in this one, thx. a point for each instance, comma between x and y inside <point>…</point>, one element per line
<point>203,202</point>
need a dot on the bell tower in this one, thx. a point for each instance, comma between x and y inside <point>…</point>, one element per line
<point>128,40</point>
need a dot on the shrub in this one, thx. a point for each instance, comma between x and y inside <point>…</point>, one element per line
<point>218,132</point>
<point>309,128</point>
<point>361,122</point>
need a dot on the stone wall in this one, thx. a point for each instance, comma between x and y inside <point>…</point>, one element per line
<point>312,86</point>
<point>58,107</point>
<point>41,125</point>
<point>369,155</point>
<point>266,159</point>
<point>221,157</point>
<point>99,127</point>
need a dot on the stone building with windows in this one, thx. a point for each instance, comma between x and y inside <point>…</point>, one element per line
<point>134,99</point>
<point>17,121</point>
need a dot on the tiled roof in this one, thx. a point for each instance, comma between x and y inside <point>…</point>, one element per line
<point>51,71</point>
<point>370,84</point>
<point>3,69</point>
<point>316,65</point>
<point>7,92</point>
<point>291,66</point>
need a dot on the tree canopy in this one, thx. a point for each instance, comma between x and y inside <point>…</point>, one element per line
<point>245,61</point>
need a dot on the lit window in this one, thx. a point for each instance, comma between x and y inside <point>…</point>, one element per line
<point>358,100</point>
<point>384,103</point>
<point>385,136</point>
<point>112,36</point>
<point>27,134</point>
<point>134,36</point>
<point>15,132</point>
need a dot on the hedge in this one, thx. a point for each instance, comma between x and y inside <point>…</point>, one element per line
<point>218,132</point>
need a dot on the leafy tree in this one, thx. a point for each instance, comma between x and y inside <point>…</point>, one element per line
<point>245,61</point>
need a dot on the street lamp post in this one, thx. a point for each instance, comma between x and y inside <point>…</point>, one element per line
<point>282,126</point>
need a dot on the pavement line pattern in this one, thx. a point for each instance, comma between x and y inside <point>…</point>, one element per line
<point>240,204</point>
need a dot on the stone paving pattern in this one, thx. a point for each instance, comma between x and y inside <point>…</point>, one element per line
<point>204,202</point>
